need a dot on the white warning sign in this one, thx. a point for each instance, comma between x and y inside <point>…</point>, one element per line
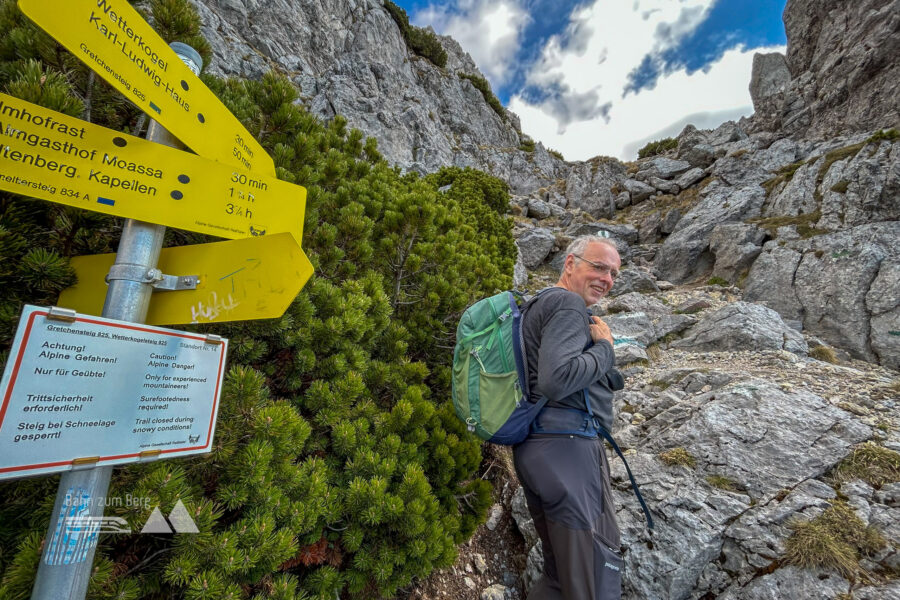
<point>90,390</point>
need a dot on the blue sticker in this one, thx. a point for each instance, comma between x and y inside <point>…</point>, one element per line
<point>76,532</point>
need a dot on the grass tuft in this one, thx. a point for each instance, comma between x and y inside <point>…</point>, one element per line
<point>662,385</point>
<point>825,354</point>
<point>841,186</point>
<point>870,462</point>
<point>718,281</point>
<point>834,540</point>
<point>887,135</point>
<point>722,483</point>
<point>803,222</point>
<point>678,457</point>
<point>784,174</point>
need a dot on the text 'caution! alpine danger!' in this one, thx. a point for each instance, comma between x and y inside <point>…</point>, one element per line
<point>109,391</point>
<point>48,155</point>
<point>113,40</point>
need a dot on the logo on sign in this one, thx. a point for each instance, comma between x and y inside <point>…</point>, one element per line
<point>179,521</point>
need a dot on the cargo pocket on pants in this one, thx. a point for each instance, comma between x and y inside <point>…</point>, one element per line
<point>608,570</point>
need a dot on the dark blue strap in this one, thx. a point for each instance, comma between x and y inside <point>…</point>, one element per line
<point>634,486</point>
<point>521,366</point>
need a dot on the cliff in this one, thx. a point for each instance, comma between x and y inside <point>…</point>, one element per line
<point>758,307</point>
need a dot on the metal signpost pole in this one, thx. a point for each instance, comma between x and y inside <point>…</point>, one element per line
<point>68,555</point>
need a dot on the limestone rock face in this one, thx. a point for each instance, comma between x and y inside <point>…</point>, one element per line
<point>845,76</point>
<point>349,58</point>
<point>756,439</point>
<point>839,285</point>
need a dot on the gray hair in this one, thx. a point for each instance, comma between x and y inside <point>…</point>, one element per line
<point>580,244</point>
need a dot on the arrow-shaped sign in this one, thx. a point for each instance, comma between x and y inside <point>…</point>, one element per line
<point>111,38</point>
<point>253,278</point>
<point>49,155</point>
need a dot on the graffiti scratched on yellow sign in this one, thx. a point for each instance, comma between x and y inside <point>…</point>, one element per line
<point>253,278</point>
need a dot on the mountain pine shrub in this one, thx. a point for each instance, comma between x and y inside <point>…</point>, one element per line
<point>421,41</point>
<point>658,147</point>
<point>481,84</point>
<point>338,466</point>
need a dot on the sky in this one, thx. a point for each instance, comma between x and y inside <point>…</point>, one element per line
<point>604,77</point>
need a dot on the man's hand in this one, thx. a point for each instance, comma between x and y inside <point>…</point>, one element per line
<point>600,331</point>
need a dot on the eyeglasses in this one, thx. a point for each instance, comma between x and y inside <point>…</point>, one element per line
<point>600,267</point>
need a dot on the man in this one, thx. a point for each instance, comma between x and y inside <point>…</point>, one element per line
<point>566,475</point>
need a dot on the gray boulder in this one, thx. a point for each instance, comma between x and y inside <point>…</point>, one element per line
<point>662,167</point>
<point>664,185</point>
<point>689,178</point>
<point>726,133</point>
<point>520,514</point>
<point>670,222</point>
<point>638,190</point>
<point>534,246</point>
<point>538,209</point>
<point>743,326</point>
<point>634,302</point>
<point>631,328</point>
<point>671,324</point>
<point>699,156</point>
<point>628,353</point>
<point>633,280</point>
<point>770,76</point>
<point>736,246</point>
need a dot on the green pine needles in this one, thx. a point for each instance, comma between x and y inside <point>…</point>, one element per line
<point>422,42</point>
<point>338,466</point>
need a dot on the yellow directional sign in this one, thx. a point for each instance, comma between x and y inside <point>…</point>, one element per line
<point>253,278</point>
<point>115,41</point>
<point>49,155</point>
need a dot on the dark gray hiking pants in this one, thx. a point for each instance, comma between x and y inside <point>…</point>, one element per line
<point>566,481</point>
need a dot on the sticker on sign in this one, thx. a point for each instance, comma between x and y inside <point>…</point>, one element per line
<point>91,390</point>
<point>111,38</point>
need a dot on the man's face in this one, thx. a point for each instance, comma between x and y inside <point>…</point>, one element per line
<point>592,281</point>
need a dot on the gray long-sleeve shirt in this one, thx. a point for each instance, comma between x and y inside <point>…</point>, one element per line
<point>556,329</point>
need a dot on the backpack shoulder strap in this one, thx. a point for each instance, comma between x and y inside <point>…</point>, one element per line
<point>519,345</point>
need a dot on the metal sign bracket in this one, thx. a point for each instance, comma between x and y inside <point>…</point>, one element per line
<point>159,281</point>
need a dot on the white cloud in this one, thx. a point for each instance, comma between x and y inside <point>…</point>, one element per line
<point>585,73</point>
<point>489,30</point>
<point>721,88</point>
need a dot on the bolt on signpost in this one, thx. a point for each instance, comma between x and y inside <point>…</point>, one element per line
<point>65,572</point>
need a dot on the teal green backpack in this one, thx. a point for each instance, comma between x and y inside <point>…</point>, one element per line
<point>490,381</point>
